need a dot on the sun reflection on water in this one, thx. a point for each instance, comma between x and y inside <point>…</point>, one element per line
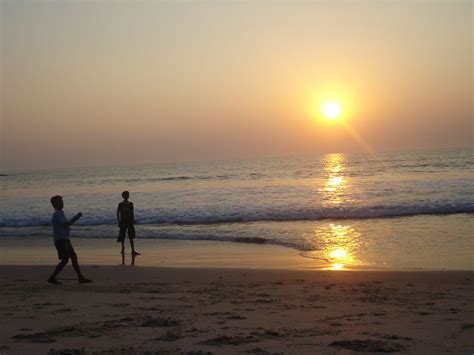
<point>339,242</point>
<point>336,267</point>
<point>336,190</point>
<point>338,254</point>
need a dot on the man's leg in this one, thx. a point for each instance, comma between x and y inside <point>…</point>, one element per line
<point>123,247</point>
<point>59,267</point>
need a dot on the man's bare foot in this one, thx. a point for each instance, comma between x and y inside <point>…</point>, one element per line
<point>135,253</point>
<point>84,281</point>
<point>54,281</point>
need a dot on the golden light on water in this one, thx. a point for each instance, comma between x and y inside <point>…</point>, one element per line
<point>336,267</point>
<point>335,181</point>
<point>336,189</point>
<point>338,254</point>
<point>340,242</point>
<point>338,258</point>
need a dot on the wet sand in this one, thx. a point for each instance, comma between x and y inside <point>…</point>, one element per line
<point>135,310</point>
<point>158,252</point>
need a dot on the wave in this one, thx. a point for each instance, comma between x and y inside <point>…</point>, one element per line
<point>177,178</point>
<point>166,178</point>
<point>248,216</point>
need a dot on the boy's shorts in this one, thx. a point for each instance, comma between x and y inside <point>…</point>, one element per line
<point>123,230</point>
<point>64,248</point>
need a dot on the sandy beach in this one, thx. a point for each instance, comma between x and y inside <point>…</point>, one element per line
<point>166,310</point>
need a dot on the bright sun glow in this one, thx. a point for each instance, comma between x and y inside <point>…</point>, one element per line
<point>332,110</point>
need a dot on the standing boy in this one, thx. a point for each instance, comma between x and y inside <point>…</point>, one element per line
<point>126,221</point>
<point>62,242</point>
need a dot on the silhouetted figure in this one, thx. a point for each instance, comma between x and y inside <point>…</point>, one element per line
<point>126,222</point>
<point>61,241</point>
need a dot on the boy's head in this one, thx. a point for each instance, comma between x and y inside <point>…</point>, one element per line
<point>57,202</point>
<point>126,195</point>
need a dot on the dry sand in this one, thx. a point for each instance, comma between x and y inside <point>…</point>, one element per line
<point>135,310</point>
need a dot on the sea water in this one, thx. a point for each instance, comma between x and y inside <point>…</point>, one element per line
<point>394,210</point>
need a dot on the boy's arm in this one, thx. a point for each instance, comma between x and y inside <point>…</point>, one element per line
<point>118,214</point>
<point>73,220</point>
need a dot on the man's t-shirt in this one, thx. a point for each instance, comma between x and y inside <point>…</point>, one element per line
<point>60,231</point>
<point>126,213</point>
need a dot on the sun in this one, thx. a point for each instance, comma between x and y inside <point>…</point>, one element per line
<point>331,110</point>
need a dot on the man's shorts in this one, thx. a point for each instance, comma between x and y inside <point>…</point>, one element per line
<point>64,248</point>
<point>123,229</point>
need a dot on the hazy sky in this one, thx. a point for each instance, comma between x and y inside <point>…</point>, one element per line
<point>116,82</point>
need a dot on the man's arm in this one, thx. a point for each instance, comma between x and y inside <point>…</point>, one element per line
<point>133,213</point>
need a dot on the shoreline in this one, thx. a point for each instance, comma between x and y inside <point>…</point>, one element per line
<point>30,250</point>
<point>158,253</point>
<point>174,253</point>
<point>134,310</point>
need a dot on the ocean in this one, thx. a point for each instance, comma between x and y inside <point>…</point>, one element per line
<point>385,210</point>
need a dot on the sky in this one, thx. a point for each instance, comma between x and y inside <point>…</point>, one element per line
<point>87,83</point>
